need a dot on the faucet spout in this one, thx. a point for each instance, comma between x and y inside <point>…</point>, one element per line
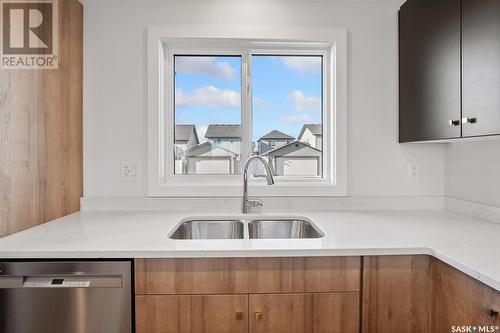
<point>269,178</point>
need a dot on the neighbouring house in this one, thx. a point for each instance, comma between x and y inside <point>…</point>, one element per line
<point>295,159</point>
<point>185,137</point>
<point>225,136</point>
<point>273,140</point>
<point>210,158</point>
<point>312,135</point>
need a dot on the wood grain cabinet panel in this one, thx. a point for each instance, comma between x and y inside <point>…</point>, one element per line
<point>396,294</point>
<point>192,314</point>
<point>41,159</point>
<point>312,274</point>
<point>459,300</point>
<point>191,276</point>
<point>304,313</point>
<point>247,275</point>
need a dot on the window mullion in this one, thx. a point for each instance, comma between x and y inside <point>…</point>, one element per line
<point>246,121</point>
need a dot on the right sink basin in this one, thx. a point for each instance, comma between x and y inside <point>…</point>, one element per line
<point>276,228</point>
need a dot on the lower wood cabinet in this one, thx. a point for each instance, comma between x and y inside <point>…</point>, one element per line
<point>265,295</point>
<point>396,294</point>
<point>459,300</point>
<point>373,294</point>
<point>304,313</point>
<point>273,313</point>
<point>190,313</point>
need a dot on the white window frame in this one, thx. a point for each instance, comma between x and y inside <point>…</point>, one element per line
<point>165,41</point>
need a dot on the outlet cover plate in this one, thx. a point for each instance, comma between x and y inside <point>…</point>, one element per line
<point>413,171</point>
<point>129,171</point>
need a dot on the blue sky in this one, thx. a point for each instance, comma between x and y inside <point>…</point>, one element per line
<point>286,92</point>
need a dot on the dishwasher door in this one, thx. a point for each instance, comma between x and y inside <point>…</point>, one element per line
<point>65,297</point>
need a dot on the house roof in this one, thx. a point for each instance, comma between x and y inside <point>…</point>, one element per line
<point>314,128</point>
<point>276,135</point>
<point>293,148</point>
<point>223,131</point>
<point>263,147</point>
<point>209,147</point>
<point>183,133</point>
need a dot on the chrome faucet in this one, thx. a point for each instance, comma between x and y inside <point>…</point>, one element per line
<point>246,204</point>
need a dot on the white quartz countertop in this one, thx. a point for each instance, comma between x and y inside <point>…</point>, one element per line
<point>468,244</point>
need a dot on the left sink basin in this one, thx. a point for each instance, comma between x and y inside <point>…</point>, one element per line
<point>209,229</point>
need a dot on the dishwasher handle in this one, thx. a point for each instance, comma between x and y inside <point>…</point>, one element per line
<point>8,282</point>
<point>61,281</point>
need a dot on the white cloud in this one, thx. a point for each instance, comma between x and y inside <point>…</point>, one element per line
<point>303,65</point>
<point>206,66</point>
<point>297,118</point>
<point>302,102</point>
<point>209,96</point>
<point>261,103</point>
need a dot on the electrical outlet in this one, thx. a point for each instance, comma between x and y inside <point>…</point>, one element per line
<point>129,171</point>
<point>413,171</point>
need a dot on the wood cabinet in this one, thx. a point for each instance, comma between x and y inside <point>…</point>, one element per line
<point>396,294</point>
<point>41,159</point>
<point>480,67</point>
<point>449,69</point>
<point>429,70</point>
<point>192,313</point>
<point>373,294</point>
<point>304,313</point>
<point>247,275</point>
<point>306,295</point>
<point>459,300</point>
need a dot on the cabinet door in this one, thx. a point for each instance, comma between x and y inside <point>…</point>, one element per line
<point>304,313</point>
<point>481,67</point>
<point>459,300</point>
<point>396,294</point>
<point>429,70</point>
<point>192,314</point>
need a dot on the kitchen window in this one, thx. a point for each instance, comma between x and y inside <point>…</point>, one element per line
<point>220,102</point>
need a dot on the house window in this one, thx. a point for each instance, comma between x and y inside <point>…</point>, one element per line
<point>218,98</point>
<point>286,113</point>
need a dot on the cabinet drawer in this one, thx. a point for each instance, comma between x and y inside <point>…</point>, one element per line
<point>304,313</point>
<point>247,275</point>
<point>190,314</point>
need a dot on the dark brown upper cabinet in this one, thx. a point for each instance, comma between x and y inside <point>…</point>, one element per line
<point>429,70</point>
<point>449,69</point>
<point>480,67</point>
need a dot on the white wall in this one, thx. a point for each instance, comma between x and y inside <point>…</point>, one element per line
<point>115,87</point>
<point>473,171</point>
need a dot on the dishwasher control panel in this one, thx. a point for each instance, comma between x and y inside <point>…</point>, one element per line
<point>59,282</point>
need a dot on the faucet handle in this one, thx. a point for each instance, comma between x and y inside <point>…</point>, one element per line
<point>254,203</point>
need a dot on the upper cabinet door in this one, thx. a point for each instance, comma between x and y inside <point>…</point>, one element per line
<point>481,67</point>
<point>429,70</point>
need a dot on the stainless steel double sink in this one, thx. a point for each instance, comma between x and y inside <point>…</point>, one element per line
<point>234,228</point>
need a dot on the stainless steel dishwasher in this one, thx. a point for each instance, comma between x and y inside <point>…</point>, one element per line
<point>66,297</point>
